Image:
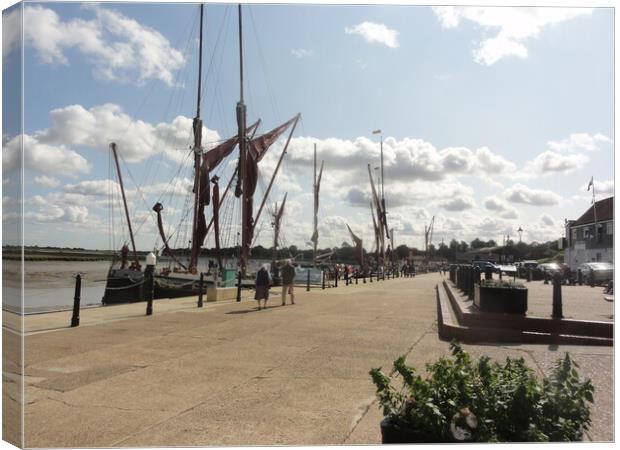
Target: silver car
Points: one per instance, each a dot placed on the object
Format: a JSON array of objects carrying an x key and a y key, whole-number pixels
[{"x": 599, "y": 272}]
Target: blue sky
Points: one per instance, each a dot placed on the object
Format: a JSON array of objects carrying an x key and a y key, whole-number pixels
[{"x": 492, "y": 118}]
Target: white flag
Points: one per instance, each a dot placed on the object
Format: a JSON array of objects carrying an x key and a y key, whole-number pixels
[{"x": 591, "y": 183}]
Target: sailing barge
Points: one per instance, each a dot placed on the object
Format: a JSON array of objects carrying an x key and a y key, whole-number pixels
[{"x": 183, "y": 279}]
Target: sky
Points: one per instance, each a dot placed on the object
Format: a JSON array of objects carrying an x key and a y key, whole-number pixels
[{"x": 492, "y": 118}]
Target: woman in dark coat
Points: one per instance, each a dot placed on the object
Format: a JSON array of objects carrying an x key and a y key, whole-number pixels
[{"x": 263, "y": 282}]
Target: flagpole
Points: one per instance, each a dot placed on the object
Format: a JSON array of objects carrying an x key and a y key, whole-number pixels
[{"x": 594, "y": 210}]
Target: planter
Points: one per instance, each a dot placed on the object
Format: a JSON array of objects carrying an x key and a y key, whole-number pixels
[
  {"x": 392, "y": 433},
  {"x": 501, "y": 299}
]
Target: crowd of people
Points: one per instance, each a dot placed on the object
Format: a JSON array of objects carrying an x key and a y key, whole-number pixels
[{"x": 269, "y": 276}]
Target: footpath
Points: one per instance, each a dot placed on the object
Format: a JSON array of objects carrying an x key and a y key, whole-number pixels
[{"x": 227, "y": 374}]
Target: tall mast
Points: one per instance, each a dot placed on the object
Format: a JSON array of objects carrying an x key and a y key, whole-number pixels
[
  {"x": 241, "y": 120},
  {"x": 197, "y": 126},
  {"x": 315, "y": 241},
  {"x": 120, "y": 181}
]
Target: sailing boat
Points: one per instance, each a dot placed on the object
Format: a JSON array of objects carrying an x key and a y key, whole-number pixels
[
  {"x": 124, "y": 282},
  {"x": 183, "y": 280}
]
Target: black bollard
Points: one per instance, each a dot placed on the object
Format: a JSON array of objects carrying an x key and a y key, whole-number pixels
[
  {"x": 579, "y": 277},
  {"x": 557, "y": 296},
  {"x": 364, "y": 278},
  {"x": 476, "y": 275},
  {"x": 488, "y": 274},
  {"x": 239, "y": 286},
  {"x": 336, "y": 280},
  {"x": 308, "y": 282},
  {"x": 323, "y": 281},
  {"x": 357, "y": 275},
  {"x": 470, "y": 283},
  {"x": 591, "y": 278},
  {"x": 529, "y": 275},
  {"x": 75, "y": 318},
  {"x": 200, "y": 287},
  {"x": 371, "y": 276},
  {"x": 546, "y": 277},
  {"x": 500, "y": 275},
  {"x": 148, "y": 280}
]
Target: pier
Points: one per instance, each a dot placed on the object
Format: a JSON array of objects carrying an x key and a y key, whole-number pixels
[{"x": 227, "y": 374}]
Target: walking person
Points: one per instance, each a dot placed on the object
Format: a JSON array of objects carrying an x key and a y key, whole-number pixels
[
  {"x": 263, "y": 283},
  {"x": 288, "y": 279}
]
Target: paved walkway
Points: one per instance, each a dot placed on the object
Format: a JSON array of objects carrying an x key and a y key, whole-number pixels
[{"x": 230, "y": 375}]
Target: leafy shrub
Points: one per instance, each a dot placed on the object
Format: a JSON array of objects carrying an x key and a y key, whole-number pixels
[{"x": 484, "y": 401}]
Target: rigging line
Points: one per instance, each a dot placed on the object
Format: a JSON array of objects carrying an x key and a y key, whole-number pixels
[
  {"x": 270, "y": 89},
  {"x": 223, "y": 29}
]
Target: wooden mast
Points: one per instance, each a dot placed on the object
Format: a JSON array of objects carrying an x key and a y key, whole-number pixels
[
  {"x": 241, "y": 121},
  {"x": 120, "y": 181},
  {"x": 197, "y": 127},
  {"x": 315, "y": 239}
]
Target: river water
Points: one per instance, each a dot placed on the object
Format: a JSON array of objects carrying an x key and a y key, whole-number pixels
[{"x": 50, "y": 285}]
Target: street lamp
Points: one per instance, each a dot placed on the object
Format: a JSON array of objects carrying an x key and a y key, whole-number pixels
[{"x": 520, "y": 231}]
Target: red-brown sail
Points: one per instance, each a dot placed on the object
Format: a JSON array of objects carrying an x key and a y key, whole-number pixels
[{"x": 359, "y": 251}]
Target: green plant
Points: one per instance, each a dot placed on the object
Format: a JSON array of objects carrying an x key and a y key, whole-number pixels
[
  {"x": 505, "y": 284},
  {"x": 484, "y": 401}
]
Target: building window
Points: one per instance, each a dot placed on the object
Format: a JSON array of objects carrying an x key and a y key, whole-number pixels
[
  {"x": 574, "y": 234},
  {"x": 610, "y": 227},
  {"x": 586, "y": 233}
]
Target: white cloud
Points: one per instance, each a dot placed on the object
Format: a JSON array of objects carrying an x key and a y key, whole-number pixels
[
  {"x": 96, "y": 127},
  {"x": 547, "y": 220},
  {"x": 119, "y": 48},
  {"x": 56, "y": 214},
  {"x": 458, "y": 204},
  {"x": 300, "y": 53},
  {"x": 514, "y": 26},
  {"x": 600, "y": 187},
  {"x": 11, "y": 31},
  {"x": 42, "y": 157},
  {"x": 98, "y": 188},
  {"x": 503, "y": 210},
  {"x": 375, "y": 32},
  {"x": 44, "y": 180},
  {"x": 536, "y": 197},
  {"x": 579, "y": 141},
  {"x": 549, "y": 161}
]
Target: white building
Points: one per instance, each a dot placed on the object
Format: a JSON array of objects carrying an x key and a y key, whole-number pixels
[{"x": 591, "y": 237}]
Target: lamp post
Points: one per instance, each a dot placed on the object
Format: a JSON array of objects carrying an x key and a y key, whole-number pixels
[{"x": 520, "y": 231}]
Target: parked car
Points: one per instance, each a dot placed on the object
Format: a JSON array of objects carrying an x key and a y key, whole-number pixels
[
  {"x": 550, "y": 268},
  {"x": 598, "y": 272},
  {"x": 484, "y": 264}
]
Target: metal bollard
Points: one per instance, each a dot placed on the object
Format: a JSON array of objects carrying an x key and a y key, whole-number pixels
[
  {"x": 323, "y": 281},
  {"x": 364, "y": 278},
  {"x": 500, "y": 275},
  {"x": 470, "y": 283},
  {"x": 557, "y": 296},
  {"x": 308, "y": 282},
  {"x": 200, "y": 288},
  {"x": 148, "y": 280},
  {"x": 371, "y": 276},
  {"x": 591, "y": 278},
  {"x": 239, "y": 286},
  {"x": 579, "y": 277},
  {"x": 356, "y": 277},
  {"x": 546, "y": 275},
  {"x": 75, "y": 318},
  {"x": 529, "y": 275},
  {"x": 336, "y": 280}
]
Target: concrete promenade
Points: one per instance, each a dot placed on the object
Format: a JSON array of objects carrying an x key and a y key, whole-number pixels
[{"x": 228, "y": 374}]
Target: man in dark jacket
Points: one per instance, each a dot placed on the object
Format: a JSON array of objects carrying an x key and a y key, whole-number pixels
[{"x": 288, "y": 278}]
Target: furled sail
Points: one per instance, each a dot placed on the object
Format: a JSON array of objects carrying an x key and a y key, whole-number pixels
[
  {"x": 216, "y": 218},
  {"x": 256, "y": 150},
  {"x": 359, "y": 251},
  {"x": 315, "y": 234}
]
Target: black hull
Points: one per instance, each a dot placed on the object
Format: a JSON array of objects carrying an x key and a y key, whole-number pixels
[
  {"x": 123, "y": 286},
  {"x": 171, "y": 287}
]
